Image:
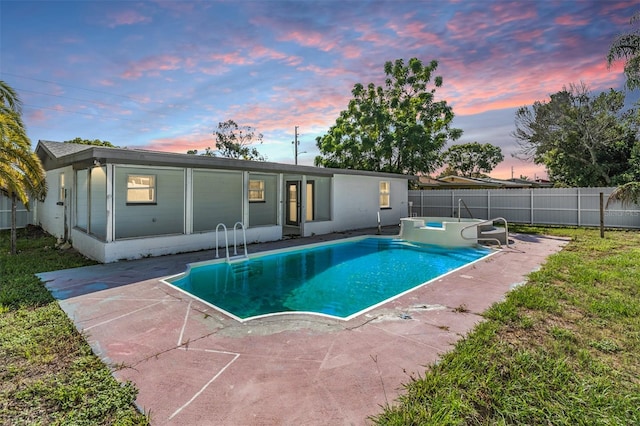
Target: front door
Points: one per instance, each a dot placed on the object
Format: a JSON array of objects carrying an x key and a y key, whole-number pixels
[{"x": 293, "y": 203}]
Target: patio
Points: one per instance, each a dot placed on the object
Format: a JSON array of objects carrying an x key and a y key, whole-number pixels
[{"x": 195, "y": 366}]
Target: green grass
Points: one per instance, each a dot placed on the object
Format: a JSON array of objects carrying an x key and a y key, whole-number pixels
[
  {"x": 564, "y": 349},
  {"x": 48, "y": 374}
]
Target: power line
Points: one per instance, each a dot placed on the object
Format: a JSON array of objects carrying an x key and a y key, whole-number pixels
[
  {"x": 69, "y": 85},
  {"x": 101, "y": 104},
  {"x": 82, "y": 113}
]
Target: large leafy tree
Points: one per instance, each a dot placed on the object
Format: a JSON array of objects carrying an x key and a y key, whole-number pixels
[
  {"x": 626, "y": 47},
  {"x": 472, "y": 159},
  {"x": 233, "y": 141},
  {"x": 400, "y": 127},
  {"x": 582, "y": 139},
  {"x": 21, "y": 173}
]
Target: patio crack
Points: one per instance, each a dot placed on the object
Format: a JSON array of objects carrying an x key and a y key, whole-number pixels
[{"x": 183, "y": 345}]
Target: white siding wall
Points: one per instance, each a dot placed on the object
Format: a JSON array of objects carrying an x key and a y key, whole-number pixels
[
  {"x": 356, "y": 204},
  {"x": 50, "y": 214}
]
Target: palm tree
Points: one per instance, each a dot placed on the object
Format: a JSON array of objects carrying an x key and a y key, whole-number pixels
[
  {"x": 627, "y": 47},
  {"x": 21, "y": 173},
  {"x": 627, "y": 194}
]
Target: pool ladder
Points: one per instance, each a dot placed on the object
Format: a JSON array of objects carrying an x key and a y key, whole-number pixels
[{"x": 236, "y": 256}]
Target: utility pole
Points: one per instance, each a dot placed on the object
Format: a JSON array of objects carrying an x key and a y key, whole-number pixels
[{"x": 295, "y": 144}]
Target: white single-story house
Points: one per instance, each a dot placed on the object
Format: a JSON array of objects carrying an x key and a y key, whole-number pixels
[{"x": 118, "y": 203}]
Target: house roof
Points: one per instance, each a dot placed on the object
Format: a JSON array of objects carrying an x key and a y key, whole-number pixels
[{"x": 54, "y": 155}]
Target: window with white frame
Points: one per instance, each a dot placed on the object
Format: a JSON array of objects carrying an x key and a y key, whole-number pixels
[
  {"x": 256, "y": 191},
  {"x": 385, "y": 192},
  {"x": 141, "y": 189}
]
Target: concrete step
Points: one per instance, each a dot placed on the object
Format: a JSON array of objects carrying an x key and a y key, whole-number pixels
[{"x": 495, "y": 232}]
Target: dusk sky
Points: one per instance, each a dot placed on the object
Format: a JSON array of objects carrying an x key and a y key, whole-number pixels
[{"x": 161, "y": 75}]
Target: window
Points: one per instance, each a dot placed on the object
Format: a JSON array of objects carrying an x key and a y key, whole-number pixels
[
  {"x": 310, "y": 203},
  {"x": 256, "y": 191},
  {"x": 385, "y": 189},
  {"x": 61, "y": 196},
  {"x": 141, "y": 189}
]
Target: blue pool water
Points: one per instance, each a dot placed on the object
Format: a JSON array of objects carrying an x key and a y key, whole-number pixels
[{"x": 339, "y": 279}]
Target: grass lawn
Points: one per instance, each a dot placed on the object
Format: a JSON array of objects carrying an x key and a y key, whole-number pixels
[
  {"x": 564, "y": 349},
  {"x": 48, "y": 374}
]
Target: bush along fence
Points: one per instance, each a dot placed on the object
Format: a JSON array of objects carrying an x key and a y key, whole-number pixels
[{"x": 535, "y": 206}]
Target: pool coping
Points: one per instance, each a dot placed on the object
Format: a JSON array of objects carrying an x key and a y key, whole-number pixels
[{"x": 193, "y": 365}]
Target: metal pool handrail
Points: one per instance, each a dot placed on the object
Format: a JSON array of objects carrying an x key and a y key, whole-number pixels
[
  {"x": 226, "y": 240},
  {"x": 461, "y": 201},
  {"x": 488, "y": 222},
  {"x": 244, "y": 239}
]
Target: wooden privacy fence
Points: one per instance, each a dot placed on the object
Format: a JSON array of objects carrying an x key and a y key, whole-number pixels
[
  {"x": 536, "y": 206},
  {"x": 23, "y": 216}
]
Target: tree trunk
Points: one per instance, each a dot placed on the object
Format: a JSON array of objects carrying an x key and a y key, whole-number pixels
[{"x": 14, "y": 236}]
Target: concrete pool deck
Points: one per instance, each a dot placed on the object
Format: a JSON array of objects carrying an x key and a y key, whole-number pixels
[{"x": 195, "y": 366}]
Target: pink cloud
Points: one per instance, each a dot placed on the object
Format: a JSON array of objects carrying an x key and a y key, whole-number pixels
[
  {"x": 233, "y": 58},
  {"x": 333, "y": 72},
  {"x": 526, "y": 36},
  {"x": 37, "y": 116},
  {"x": 467, "y": 27},
  {"x": 416, "y": 30},
  {"x": 481, "y": 25},
  {"x": 127, "y": 17},
  {"x": 570, "y": 20},
  {"x": 151, "y": 66},
  {"x": 503, "y": 13},
  {"x": 71, "y": 40},
  {"x": 310, "y": 39},
  {"x": 371, "y": 35},
  {"x": 263, "y": 52},
  {"x": 215, "y": 69},
  {"x": 180, "y": 144},
  {"x": 520, "y": 168}
]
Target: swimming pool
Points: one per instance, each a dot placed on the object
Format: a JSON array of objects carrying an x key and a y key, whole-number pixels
[{"x": 340, "y": 280}]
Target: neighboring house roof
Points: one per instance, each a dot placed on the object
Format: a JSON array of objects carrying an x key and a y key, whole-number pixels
[
  {"x": 54, "y": 155},
  {"x": 461, "y": 182},
  {"x": 536, "y": 183}
]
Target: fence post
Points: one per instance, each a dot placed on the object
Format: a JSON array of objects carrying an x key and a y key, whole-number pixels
[
  {"x": 531, "y": 205},
  {"x": 601, "y": 215},
  {"x": 453, "y": 204},
  {"x": 579, "y": 208}
]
